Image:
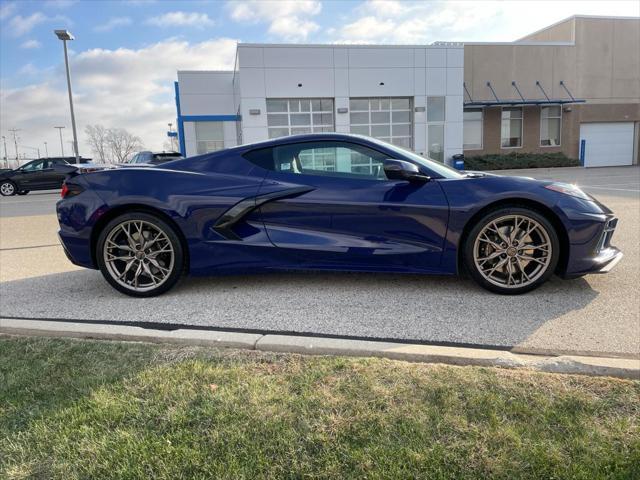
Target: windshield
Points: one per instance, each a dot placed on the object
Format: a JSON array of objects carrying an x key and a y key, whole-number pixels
[{"x": 437, "y": 167}]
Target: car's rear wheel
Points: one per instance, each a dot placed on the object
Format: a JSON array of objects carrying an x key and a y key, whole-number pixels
[
  {"x": 512, "y": 250},
  {"x": 7, "y": 188},
  {"x": 140, "y": 254}
]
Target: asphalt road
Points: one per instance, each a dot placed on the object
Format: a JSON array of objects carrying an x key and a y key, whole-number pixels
[
  {"x": 34, "y": 203},
  {"x": 598, "y": 314}
]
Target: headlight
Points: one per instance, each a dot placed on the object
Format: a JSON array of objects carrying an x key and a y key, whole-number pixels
[{"x": 568, "y": 189}]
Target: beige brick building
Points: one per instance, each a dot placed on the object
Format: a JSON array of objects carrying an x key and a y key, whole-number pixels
[{"x": 573, "y": 87}]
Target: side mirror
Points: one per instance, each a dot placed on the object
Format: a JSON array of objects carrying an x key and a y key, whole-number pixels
[{"x": 402, "y": 170}]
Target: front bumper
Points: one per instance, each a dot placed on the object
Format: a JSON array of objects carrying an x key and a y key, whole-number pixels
[{"x": 596, "y": 256}]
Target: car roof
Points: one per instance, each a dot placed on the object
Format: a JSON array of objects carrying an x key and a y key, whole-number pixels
[{"x": 307, "y": 137}]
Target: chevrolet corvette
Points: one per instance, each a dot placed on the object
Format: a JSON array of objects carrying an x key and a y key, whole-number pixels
[{"x": 332, "y": 202}]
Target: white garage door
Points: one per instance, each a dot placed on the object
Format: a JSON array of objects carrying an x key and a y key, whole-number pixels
[{"x": 606, "y": 144}]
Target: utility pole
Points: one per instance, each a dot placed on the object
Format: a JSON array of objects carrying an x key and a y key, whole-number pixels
[
  {"x": 15, "y": 139},
  {"x": 65, "y": 36},
  {"x": 61, "y": 143},
  {"x": 6, "y": 159},
  {"x": 46, "y": 149}
]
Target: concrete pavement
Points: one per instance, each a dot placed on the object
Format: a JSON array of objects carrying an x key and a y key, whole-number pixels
[{"x": 593, "y": 315}]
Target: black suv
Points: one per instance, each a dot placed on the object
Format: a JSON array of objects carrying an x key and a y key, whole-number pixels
[
  {"x": 152, "y": 158},
  {"x": 35, "y": 175}
]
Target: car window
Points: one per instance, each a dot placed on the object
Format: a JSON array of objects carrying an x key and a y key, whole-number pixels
[
  {"x": 33, "y": 166},
  {"x": 333, "y": 159}
]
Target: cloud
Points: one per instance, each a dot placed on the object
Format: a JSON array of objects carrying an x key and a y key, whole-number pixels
[
  {"x": 113, "y": 22},
  {"x": 181, "y": 19},
  {"x": 128, "y": 88},
  {"x": 287, "y": 19},
  {"x": 31, "y": 44},
  {"x": 6, "y": 10},
  {"x": 410, "y": 22},
  {"x": 20, "y": 25}
]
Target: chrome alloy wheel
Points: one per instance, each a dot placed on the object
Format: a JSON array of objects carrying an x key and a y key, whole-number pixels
[
  {"x": 138, "y": 255},
  {"x": 512, "y": 251},
  {"x": 7, "y": 189}
]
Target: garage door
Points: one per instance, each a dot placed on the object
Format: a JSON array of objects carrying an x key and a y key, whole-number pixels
[{"x": 606, "y": 144}]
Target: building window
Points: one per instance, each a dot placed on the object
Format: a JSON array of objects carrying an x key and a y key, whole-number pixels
[
  {"x": 435, "y": 128},
  {"x": 511, "y": 131},
  {"x": 472, "y": 129},
  {"x": 294, "y": 116},
  {"x": 388, "y": 119},
  {"x": 550, "y": 126},
  {"x": 209, "y": 137}
]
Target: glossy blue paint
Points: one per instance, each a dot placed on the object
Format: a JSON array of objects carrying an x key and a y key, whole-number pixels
[{"x": 329, "y": 223}]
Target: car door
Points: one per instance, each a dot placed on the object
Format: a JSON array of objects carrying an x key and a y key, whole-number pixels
[
  {"x": 30, "y": 176},
  {"x": 351, "y": 215}
]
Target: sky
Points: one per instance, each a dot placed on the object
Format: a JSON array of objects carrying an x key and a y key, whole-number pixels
[{"x": 126, "y": 53}]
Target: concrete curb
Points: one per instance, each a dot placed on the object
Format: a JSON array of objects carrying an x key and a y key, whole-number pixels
[{"x": 597, "y": 366}]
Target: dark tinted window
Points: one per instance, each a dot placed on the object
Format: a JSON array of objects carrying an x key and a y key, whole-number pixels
[{"x": 262, "y": 157}]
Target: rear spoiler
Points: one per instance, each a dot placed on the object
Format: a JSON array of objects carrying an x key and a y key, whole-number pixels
[{"x": 71, "y": 170}]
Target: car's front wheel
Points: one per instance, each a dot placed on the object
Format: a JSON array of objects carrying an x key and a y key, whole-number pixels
[
  {"x": 512, "y": 250},
  {"x": 140, "y": 254},
  {"x": 7, "y": 188}
]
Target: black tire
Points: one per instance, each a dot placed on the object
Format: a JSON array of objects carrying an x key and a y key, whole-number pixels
[
  {"x": 541, "y": 277},
  {"x": 175, "y": 271},
  {"x": 8, "y": 188}
]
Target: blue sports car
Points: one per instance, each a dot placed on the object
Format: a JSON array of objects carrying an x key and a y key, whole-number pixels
[{"x": 327, "y": 202}]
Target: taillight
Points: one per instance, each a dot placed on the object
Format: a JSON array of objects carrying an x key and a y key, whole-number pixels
[{"x": 69, "y": 190}]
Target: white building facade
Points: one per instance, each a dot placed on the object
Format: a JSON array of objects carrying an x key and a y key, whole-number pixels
[{"x": 411, "y": 96}]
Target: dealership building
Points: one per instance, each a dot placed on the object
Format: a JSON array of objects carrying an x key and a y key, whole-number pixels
[{"x": 573, "y": 87}]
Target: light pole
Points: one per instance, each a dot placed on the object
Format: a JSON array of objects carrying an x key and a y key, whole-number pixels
[
  {"x": 6, "y": 159},
  {"x": 65, "y": 35},
  {"x": 46, "y": 150},
  {"x": 15, "y": 139},
  {"x": 61, "y": 143}
]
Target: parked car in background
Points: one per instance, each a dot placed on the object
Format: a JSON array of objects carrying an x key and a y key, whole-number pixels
[
  {"x": 35, "y": 175},
  {"x": 152, "y": 158}
]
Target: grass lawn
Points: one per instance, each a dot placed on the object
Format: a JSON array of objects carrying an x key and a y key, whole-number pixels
[{"x": 91, "y": 409}]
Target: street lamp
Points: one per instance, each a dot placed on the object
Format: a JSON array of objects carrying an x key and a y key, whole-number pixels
[
  {"x": 61, "y": 143},
  {"x": 46, "y": 150},
  {"x": 66, "y": 35}
]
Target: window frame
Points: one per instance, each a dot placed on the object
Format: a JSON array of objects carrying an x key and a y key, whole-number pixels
[
  {"x": 436, "y": 123},
  {"x": 198, "y": 141},
  {"x": 311, "y": 113},
  {"x": 559, "y": 129},
  {"x": 521, "y": 128},
  {"x": 481, "y": 110},
  {"x": 390, "y": 110}
]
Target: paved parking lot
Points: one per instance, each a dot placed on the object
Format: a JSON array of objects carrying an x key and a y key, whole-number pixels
[{"x": 595, "y": 314}]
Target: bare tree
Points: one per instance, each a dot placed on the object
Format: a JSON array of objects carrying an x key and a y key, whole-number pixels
[
  {"x": 122, "y": 143},
  {"x": 98, "y": 139}
]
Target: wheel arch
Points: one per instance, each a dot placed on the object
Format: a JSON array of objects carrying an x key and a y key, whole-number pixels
[
  {"x": 538, "y": 207},
  {"x": 129, "y": 208}
]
